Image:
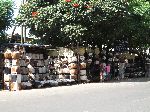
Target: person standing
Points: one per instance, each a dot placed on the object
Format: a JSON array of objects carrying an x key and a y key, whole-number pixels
[
  {"x": 147, "y": 67},
  {"x": 121, "y": 68},
  {"x": 102, "y": 71}
]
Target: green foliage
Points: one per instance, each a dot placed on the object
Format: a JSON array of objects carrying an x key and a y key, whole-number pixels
[
  {"x": 6, "y": 13},
  {"x": 139, "y": 22},
  {"x": 94, "y": 21}
]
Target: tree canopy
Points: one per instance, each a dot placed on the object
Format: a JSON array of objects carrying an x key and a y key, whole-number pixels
[
  {"x": 6, "y": 14},
  {"x": 96, "y": 22},
  {"x": 139, "y": 22}
]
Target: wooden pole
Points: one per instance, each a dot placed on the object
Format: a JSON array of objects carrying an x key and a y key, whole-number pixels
[
  {"x": 21, "y": 34},
  {"x": 23, "y": 29},
  {"x": 78, "y": 61}
]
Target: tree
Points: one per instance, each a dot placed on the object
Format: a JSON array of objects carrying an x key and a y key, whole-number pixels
[
  {"x": 96, "y": 22},
  {"x": 6, "y": 14},
  {"x": 69, "y": 20},
  {"x": 139, "y": 23}
]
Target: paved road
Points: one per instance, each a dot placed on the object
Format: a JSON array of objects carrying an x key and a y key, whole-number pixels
[{"x": 94, "y": 97}]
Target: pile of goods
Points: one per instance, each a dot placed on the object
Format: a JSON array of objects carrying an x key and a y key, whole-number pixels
[{"x": 1, "y": 69}]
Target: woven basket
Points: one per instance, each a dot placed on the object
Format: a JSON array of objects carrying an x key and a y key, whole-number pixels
[
  {"x": 82, "y": 65},
  {"x": 74, "y": 77},
  {"x": 73, "y": 71},
  {"x": 15, "y": 69},
  {"x": 74, "y": 59},
  {"x": 72, "y": 65},
  {"x": 7, "y": 55},
  {"x": 15, "y": 55}
]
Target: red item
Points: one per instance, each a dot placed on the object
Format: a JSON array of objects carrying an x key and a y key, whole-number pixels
[
  {"x": 68, "y": 0},
  {"x": 34, "y": 14},
  {"x": 87, "y": 6},
  {"x": 101, "y": 75},
  {"x": 108, "y": 69},
  {"x": 76, "y": 5}
]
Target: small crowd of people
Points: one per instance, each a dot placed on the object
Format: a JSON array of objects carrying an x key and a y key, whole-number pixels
[{"x": 106, "y": 72}]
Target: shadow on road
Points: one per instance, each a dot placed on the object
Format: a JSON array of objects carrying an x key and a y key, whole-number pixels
[{"x": 141, "y": 79}]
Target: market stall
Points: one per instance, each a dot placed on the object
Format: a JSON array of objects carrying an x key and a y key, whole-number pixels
[
  {"x": 1, "y": 69},
  {"x": 25, "y": 67}
]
